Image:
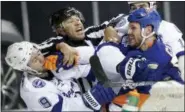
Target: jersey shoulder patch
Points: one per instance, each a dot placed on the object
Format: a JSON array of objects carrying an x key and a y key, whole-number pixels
[{"x": 38, "y": 83}]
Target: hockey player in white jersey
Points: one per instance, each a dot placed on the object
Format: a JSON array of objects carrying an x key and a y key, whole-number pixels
[
  {"x": 171, "y": 35},
  {"x": 43, "y": 92},
  {"x": 123, "y": 64}
]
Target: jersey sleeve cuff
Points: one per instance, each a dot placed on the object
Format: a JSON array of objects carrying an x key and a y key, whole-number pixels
[{"x": 180, "y": 54}]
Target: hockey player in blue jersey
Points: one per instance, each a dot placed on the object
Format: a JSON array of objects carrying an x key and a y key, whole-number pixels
[
  {"x": 144, "y": 58},
  {"x": 171, "y": 35}
]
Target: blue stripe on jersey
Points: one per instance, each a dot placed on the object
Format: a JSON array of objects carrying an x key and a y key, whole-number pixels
[
  {"x": 58, "y": 106},
  {"x": 106, "y": 44},
  {"x": 180, "y": 54}
]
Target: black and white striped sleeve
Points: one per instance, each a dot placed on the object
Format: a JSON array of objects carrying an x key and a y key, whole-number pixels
[
  {"x": 98, "y": 30},
  {"x": 50, "y": 44}
]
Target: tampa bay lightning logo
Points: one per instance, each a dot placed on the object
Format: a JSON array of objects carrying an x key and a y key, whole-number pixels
[{"x": 38, "y": 83}]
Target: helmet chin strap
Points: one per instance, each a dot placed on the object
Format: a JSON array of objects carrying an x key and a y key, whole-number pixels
[
  {"x": 31, "y": 71},
  {"x": 144, "y": 37}
]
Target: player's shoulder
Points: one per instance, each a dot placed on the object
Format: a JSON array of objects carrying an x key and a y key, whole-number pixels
[
  {"x": 168, "y": 28},
  {"x": 167, "y": 23},
  {"x": 164, "y": 51},
  {"x": 158, "y": 53},
  {"x": 35, "y": 84},
  {"x": 169, "y": 31}
]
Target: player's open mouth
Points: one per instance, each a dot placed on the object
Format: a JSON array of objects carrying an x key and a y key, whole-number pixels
[
  {"x": 79, "y": 30},
  {"x": 130, "y": 38}
]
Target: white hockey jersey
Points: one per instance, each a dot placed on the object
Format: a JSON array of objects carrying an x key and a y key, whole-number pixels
[{"x": 55, "y": 95}]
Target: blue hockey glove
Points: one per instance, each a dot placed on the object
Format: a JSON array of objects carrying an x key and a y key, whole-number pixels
[
  {"x": 137, "y": 68},
  {"x": 98, "y": 96}
]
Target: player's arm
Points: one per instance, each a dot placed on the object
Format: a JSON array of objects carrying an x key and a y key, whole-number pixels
[
  {"x": 96, "y": 33},
  {"x": 84, "y": 54},
  {"x": 130, "y": 66},
  {"x": 110, "y": 56},
  {"x": 181, "y": 65},
  {"x": 175, "y": 40},
  {"x": 80, "y": 55},
  {"x": 180, "y": 56},
  {"x": 43, "y": 101},
  {"x": 55, "y": 44},
  {"x": 50, "y": 45},
  {"x": 75, "y": 72}
]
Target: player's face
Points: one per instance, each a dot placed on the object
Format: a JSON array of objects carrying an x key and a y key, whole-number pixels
[
  {"x": 36, "y": 61},
  {"x": 138, "y": 5},
  {"x": 74, "y": 28},
  {"x": 134, "y": 34}
]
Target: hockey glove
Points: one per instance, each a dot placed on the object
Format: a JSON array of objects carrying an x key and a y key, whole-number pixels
[
  {"x": 137, "y": 68},
  {"x": 98, "y": 96}
]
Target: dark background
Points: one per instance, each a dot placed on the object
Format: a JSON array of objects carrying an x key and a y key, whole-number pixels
[{"x": 38, "y": 13}]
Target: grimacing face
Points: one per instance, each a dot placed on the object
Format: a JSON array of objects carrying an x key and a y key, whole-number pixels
[
  {"x": 138, "y": 5},
  {"x": 134, "y": 34},
  {"x": 73, "y": 28},
  {"x": 36, "y": 61}
]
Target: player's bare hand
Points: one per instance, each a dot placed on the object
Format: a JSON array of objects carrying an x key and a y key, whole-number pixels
[
  {"x": 70, "y": 54},
  {"x": 111, "y": 35}
]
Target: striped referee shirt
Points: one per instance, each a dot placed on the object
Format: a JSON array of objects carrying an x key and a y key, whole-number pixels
[{"x": 93, "y": 36}]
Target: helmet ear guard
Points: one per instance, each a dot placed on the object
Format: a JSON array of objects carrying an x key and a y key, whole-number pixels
[{"x": 61, "y": 15}]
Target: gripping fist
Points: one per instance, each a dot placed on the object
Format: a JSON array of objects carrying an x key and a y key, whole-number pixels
[
  {"x": 137, "y": 68},
  {"x": 70, "y": 55},
  {"x": 111, "y": 35},
  {"x": 54, "y": 62},
  {"x": 98, "y": 96}
]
